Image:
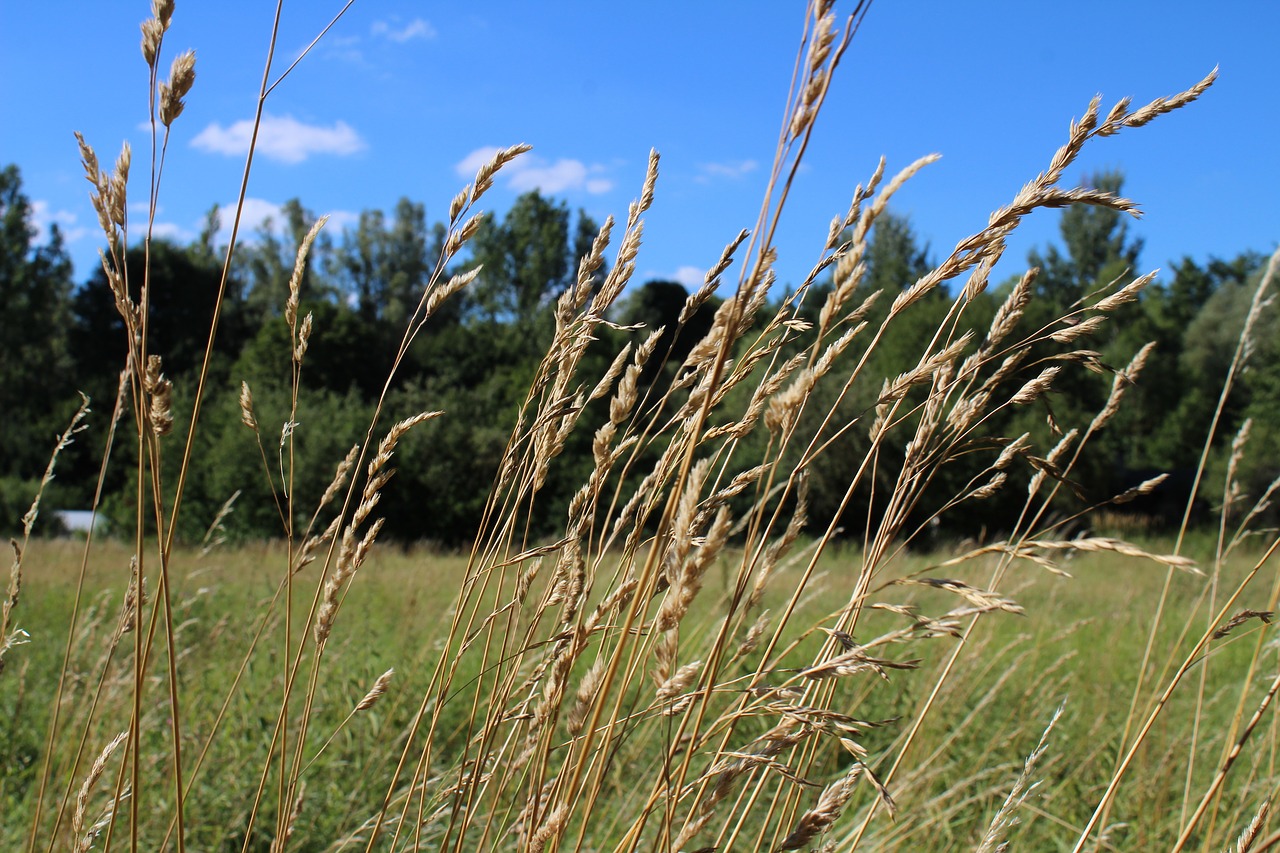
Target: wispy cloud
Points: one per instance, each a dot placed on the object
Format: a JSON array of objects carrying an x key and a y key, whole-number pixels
[
  {"x": 173, "y": 231},
  {"x": 731, "y": 170},
  {"x": 343, "y": 49},
  {"x": 530, "y": 172},
  {"x": 690, "y": 277},
  {"x": 281, "y": 138},
  {"x": 42, "y": 216},
  {"x": 258, "y": 212},
  {"x": 415, "y": 29}
]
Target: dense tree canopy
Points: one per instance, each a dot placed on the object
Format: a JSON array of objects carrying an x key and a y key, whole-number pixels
[{"x": 478, "y": 355}]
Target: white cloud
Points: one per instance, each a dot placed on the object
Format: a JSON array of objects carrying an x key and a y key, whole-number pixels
[
  {"x": 732, "y": 170},
  {"x": 257, "y": 211},
  {"x": 530, "y": 172},
  {"x": 253, "y": 215},
  {"x": 415, "y": 29},
  {"x": 343, "y": 49},
  {"x": 555, "y": 178},
  {"x": 173, "y": 231},
  {"x": 471, "y": 164},
  {"x": 282, "y": 138},
  {"x": 42, "y": 217},
  {"x": 690, "y": 277},
  {"x": 340, "y": 220}
]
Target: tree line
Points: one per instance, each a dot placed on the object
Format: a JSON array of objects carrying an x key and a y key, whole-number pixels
[{"x": 477, "y": 358}]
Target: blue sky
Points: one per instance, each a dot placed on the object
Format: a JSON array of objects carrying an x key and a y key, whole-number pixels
[{"x": 400, "y": 96}]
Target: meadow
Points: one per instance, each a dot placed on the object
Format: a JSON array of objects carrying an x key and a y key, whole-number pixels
[
  {"x": 743, "y": 586},
  {"x": 1075, "y": 651}
]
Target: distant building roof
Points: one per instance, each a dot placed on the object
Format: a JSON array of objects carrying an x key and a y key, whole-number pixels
[{"x": 81, "y": 520}]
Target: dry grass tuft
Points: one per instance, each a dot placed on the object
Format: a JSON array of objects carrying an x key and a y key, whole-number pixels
[{"x": 680, "y": 662}]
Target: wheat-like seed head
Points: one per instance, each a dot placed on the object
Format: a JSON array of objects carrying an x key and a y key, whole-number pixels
[
  {"x": 299, "y": 268},
  {"x": 181, "y": 77},
  {"x": 152, "y": 34},
  {"x": 829, "y": 807},
  {"x": 437, "y": 295},
  {"x": 1035, "y": 388},
  {"x": 246, "y": 407},
  {"x": 376, "y": 691},
  {"x": 95, "y": 773},
  {"x": 484, "y": 176}
]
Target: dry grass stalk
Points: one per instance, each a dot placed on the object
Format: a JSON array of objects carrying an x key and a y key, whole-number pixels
[
  {"x": 281, "y": 841},
  {"x": 299, "y": 270},
  {"x": 82, "y": 799},
  {"x": 9, "y": 635},
  {"x": 1250, "y": 833},
  {"x": 376, "y": 692},
  {"x": 529, "y": 646},
  {"x": 1006, "y": 818},
  {"x": 828, "y": 809}
]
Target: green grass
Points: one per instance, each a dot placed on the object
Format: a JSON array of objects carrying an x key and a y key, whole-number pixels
[
  {"x": 1080, "y": 643},
  {"x": 621, "y": 687}
]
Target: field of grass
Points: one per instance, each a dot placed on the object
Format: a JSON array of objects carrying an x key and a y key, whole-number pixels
[
  {"x": 690, "y": 662},
  {"x": 1078, "y": 647}
]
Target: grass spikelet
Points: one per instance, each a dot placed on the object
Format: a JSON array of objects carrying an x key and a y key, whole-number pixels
[
  {"x": 551, "y": 827},
  {"x": 826, "y": 812},
  {"x": 246, "y": 407},
  {"x": 181, "y": 78},
  {"x": 678, "y": 682},
  {"x": 1122, "y": 381},
  {"x": 1006, "y": 818},
  {"x": 86, "y": 788},
  {"x": 1159, "y": 107},
  {"x": 1036, "y": 388},
  {"x": 152, "y": 33},
  {"x": 1250, "y": 833},
  {"x": 1075, "y": 331},
  {"x": 1241, "y": 618},
  {"x": 585, "y": 696},
  {"x": 437, "y": 295},
  {"x": 339, "y": 477},
  {"x": 484, "y": 176},
  {"x": 299, "y": 269},
  {"x": 711, "y": 280},
  {"x": 376, "y": 692},
  {"x": 1103, "y": 543},
  {"x": 280, "y": 842},
  {"x": 977, "y": 597},
  {"x": 161, "y": 391},
  {"x": 751, "y": 641}
]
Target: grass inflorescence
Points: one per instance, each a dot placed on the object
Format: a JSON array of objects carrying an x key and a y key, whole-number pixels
[{"x": 693, "y": 661}]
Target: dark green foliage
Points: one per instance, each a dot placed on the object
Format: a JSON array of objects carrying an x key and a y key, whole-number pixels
[
  {"x": 37, "y": 385},
  {"x": 476, "y": 358}
]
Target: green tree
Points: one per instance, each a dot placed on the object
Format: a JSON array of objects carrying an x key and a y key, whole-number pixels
[
  {"x": 529, "y": 259},
  {"x": 657, "y": 304},
  {"x": 266, "y": 264},
  {"x": 36, "y": 383},
  {"x": 184, "y": 290},
  {"x": 895, "y": 260},
  {"x": 385, "y": 270},
  {"x": 1098, "y": 249}
]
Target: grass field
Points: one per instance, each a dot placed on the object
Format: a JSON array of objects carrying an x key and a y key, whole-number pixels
[
  {"x": 689, "y": 662},
  {"x": 1078, "y": 647}
]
